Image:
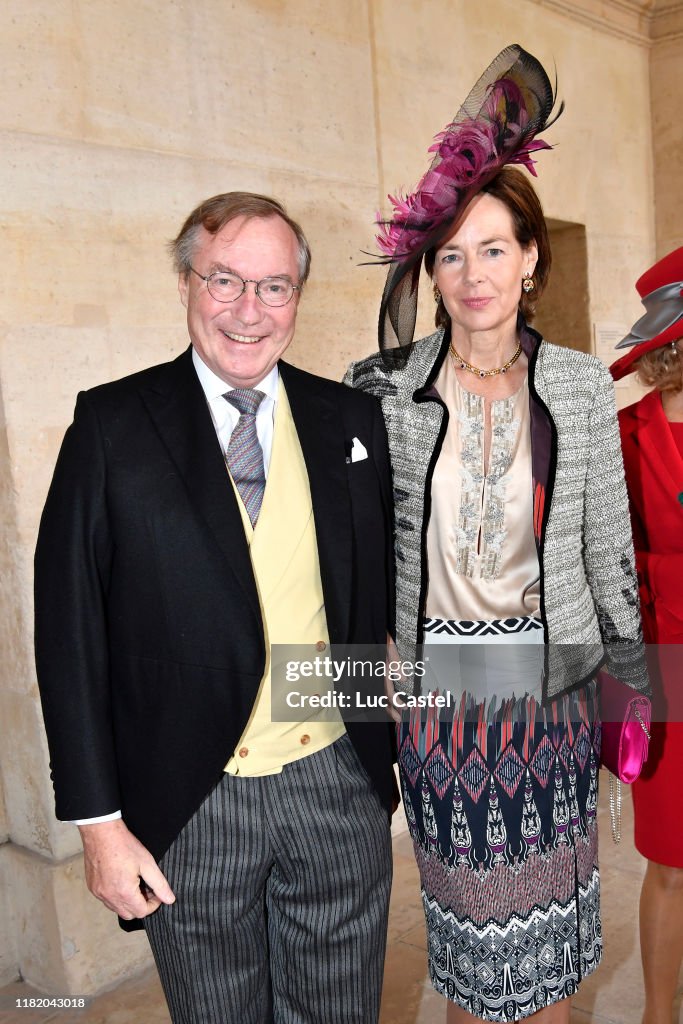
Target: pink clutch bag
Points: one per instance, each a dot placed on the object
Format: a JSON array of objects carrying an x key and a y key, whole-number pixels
[{"x": 626, "y": 716}]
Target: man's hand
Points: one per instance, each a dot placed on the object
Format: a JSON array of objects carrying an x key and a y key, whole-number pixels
[{"x": 121, "y": 872}]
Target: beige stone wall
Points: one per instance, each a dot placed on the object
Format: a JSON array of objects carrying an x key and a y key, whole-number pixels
[
  {"x": 114, "y": 121},
  {"x": 667, "y": 89},
  {"x": 8, "y": 945},
  {"x": 563, "y": 313}
]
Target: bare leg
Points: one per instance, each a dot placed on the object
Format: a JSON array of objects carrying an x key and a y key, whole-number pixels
[
  {"x": 558, "y": 1013},
  {"x": 661, "y": 939}
]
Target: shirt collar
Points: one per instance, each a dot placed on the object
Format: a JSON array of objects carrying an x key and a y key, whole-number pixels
[{"x": 214, "y": 387}]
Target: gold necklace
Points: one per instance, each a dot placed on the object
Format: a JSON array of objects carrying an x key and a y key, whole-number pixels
[{"x": 464, "y": 365}]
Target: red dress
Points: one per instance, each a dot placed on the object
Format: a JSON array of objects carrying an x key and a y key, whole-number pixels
[{"x": 653, "y": 460}]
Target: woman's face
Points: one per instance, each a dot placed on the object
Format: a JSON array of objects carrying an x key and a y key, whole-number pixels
[{"x": 479, "y": 268}]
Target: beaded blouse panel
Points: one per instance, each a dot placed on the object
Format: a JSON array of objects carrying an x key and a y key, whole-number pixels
[
  {"x": 480, "y": 530},
  {"x": 481, "y": 553}
]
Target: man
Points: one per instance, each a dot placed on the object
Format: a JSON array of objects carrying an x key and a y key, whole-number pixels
[{"x": 256, "y": 853}]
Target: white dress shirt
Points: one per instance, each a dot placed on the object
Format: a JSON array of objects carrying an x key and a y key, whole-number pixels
[{"x": 225, "y": 417}]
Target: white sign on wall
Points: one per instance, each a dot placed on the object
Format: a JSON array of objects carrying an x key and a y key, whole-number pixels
[{"x": 606, "y": 335}]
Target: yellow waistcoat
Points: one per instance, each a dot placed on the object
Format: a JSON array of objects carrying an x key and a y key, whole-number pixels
[{"x": 284, "y": 556}]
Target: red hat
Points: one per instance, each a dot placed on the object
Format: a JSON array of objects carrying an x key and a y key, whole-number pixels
[{"x": 661, "y": 291}]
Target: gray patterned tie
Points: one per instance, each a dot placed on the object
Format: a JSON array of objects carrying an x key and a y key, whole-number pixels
[{"x": 245, "y": 455}]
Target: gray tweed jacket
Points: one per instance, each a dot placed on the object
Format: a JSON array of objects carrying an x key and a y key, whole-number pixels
[{"x": 589, "y": 593}]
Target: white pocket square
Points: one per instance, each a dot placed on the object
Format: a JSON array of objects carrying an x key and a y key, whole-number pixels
[{"x": 358, "y": 451}]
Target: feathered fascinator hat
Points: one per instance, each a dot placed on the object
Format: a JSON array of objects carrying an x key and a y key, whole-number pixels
[
  {"x": 661, "y": 291},
  {"x": 498, "y": 124}
]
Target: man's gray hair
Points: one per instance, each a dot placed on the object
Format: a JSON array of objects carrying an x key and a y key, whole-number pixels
[{"x": 213, "y": 214}]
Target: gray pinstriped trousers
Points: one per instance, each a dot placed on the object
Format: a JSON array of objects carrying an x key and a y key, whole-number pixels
[{"x": 282, "y": 891}]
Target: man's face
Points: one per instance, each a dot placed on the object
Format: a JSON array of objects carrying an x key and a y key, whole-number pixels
[{"x": 242, "y": 340}]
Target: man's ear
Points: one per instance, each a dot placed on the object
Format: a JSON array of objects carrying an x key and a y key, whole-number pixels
[{"x": 183, "y": 288}]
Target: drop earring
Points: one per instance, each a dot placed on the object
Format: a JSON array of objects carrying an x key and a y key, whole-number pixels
[{"x": 527, "y": 282}]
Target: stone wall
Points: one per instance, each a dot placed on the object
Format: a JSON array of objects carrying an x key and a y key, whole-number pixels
[
  {"x": 115, "y": 120},
  {"x": 563, "y": 313},
  {"x": 666, "y": 82}
]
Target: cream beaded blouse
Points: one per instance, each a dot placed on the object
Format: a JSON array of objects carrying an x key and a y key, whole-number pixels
[{"x": 481, "y": 551}]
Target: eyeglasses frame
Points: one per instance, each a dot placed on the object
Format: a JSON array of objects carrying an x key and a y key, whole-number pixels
[{"x": 245, "y": 281}]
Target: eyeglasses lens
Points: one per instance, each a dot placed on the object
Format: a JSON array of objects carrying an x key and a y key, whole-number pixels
[{"x": 274, "y": 291}]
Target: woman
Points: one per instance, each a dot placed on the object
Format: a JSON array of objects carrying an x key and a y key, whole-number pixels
[
  {"x": 652, "y": 440},
  {"x": 511, "y": 524}
]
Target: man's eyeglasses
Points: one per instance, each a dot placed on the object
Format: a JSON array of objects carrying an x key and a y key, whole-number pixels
[{"x": 225, "y": 287}]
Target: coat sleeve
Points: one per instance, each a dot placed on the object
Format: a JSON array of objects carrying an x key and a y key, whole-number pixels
[
  {"x": 72, "y": 568},
  {"x": 608, "y": 545}
]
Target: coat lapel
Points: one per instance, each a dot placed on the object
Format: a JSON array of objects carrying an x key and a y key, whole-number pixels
[
  {"x": 321, "y": 435},
  {"x": 655, "y": 441},
  {"x": 543, "y": 436},
  {"x": 177, "y": 405}
]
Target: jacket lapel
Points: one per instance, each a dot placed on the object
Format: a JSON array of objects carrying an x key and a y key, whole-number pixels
[
  {"x": 321, "y": 435},
  {"x": 177, "y": 405},
  {"x": 655, "y": 441},
  {"x": 543, "y": 437}
]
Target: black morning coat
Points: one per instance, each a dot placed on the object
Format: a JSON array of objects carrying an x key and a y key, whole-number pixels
[{"x": 149, "y": 639}]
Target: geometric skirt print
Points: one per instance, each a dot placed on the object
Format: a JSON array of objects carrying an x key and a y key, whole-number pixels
[{"x": 501, "y": 805}]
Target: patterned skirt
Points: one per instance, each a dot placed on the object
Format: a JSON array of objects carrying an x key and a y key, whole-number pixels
[{"x": 500, "y": 799}]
